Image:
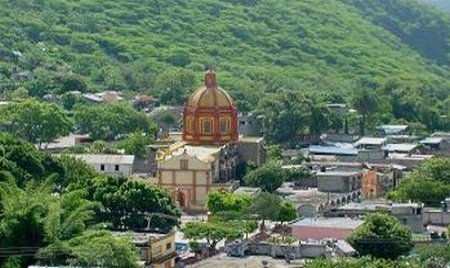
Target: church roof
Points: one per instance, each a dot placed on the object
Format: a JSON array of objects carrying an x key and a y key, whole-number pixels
[
  {"x": 210, "y": 96},
  {"x": 206, "y": 154}
]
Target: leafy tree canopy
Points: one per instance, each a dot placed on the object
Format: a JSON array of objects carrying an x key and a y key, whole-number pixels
[{"x": 382, "y": 236}]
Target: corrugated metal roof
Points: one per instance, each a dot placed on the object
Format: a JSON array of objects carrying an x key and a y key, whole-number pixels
[
  {"x": 331, "y": 150},
  {"x": 370, "y": 141},
  {"x": 432, "y": 140},
  {"x": 400, "y": 147}
]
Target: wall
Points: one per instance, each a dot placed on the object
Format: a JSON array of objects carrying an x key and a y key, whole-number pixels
[
  {"x": 336, "y": 184},
  {"x": 436, "y": 217},
  {"x": 252, "y": 151},
  {"x": 369, "y": 184},
  {"x": 124, "y": 170},
  {"x": 304, "y": 250}
]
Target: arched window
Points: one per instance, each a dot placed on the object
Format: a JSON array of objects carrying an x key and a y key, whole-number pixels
[
  {"x": 224, "y": 126},
  {"x": 206, "y": 126}
]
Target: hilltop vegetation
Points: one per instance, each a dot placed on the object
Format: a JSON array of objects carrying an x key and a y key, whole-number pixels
[
  {"x": 258, "y": 47},
  {"x": 426, "y": 32},
  {"x": 441, "y": 4}
]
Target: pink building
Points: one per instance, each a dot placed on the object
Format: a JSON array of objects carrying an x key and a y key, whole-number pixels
[{"x": 320, "y": 228}]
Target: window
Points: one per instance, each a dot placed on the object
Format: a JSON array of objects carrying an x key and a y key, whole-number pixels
[
  {"x": 207, "y": 128},
  {"x": 116, "y": 167},
  {"x": 224, "y": 126},
  {"x": 102, "y": 167},
  {"x": 168, "y": 246},
  {"x": 184, "y": 164}
]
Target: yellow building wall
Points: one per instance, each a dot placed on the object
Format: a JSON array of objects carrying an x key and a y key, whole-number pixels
[{"x": 163, "y": 247}]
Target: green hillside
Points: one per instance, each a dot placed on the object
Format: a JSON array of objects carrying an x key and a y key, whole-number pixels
[
  {"x": 427, "y": 31},
  {"x": 443, "y": 5},
  {"x": 257, "y": 46}
]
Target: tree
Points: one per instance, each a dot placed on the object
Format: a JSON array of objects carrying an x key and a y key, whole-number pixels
[
  {"x": 94, "y": 248},
  {"x": 274, "y": 153},
  {"x": 24, "y": 163},
  {"x": 108, "y": 122},
  {"x": 429, "y": 183},
  {"x": 268, "y": 177},
  {"x": 319, "y": 121},
  {"x": 223, "y": 201},
  {"x": 35, "y": 121},
  {"x": 434, "y": 169},
  {"x": 366, "y": 103},
  {"x": 136, "y": 143},
  {"x": 382, "y": 236},
  {"x": 215, "y": 231},
  {"x": 427, "y": 191},
  {"x": 266, "y": 206},
  {"x": 364, "y": 262},
  {"x": 127, "y": 204},
  {"x": 287, "y": 212},
  {"x": 284, "y": 116},
  {"x": 69, "y": 100}
]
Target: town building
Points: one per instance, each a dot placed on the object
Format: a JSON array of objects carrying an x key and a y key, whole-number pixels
[
  {"x": 210, "y": 151},
  {"x": 338, "y": 181},
  {"x": 250, "y": 124},
  {"x": 436, "y": 143},
  {"x": 115, "y": 165},
  {"x": 156, "y": 250},
  {"x": 369, "y": 143}
]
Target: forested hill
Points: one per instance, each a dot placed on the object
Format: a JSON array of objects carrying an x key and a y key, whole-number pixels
[
  {"x": 427, "y": 31},
  {"x": 257, "y": 46},
  {"x": 441, "y": 4}
]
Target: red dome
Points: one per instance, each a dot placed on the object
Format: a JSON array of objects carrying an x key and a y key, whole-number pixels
[{"x": 210, "y": 115}]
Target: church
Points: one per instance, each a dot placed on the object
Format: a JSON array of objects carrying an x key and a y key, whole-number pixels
[{"x": 211, "y": 149}]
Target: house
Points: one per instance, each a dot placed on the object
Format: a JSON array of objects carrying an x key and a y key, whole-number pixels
[
  {"x": 338, "y": 181},
  {"x": 370, "y": 143},
  {"x": 156, "y": 250},
  {"x": 436, "y": 143},
  {"x": 322, "y": 228},
  {"x": 409, "y": 214},
  {"x": 116, "y": 165},
  {"x": 62, "y": 143}
]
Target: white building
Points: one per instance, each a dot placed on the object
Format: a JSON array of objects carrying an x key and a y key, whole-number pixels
[{"x": 116, "y": 165}]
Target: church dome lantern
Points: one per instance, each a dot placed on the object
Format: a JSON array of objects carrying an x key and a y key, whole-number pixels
[{"x": 210, "y": 115}]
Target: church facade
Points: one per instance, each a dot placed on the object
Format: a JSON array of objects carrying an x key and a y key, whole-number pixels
[{"x": 209, "y": 155}]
